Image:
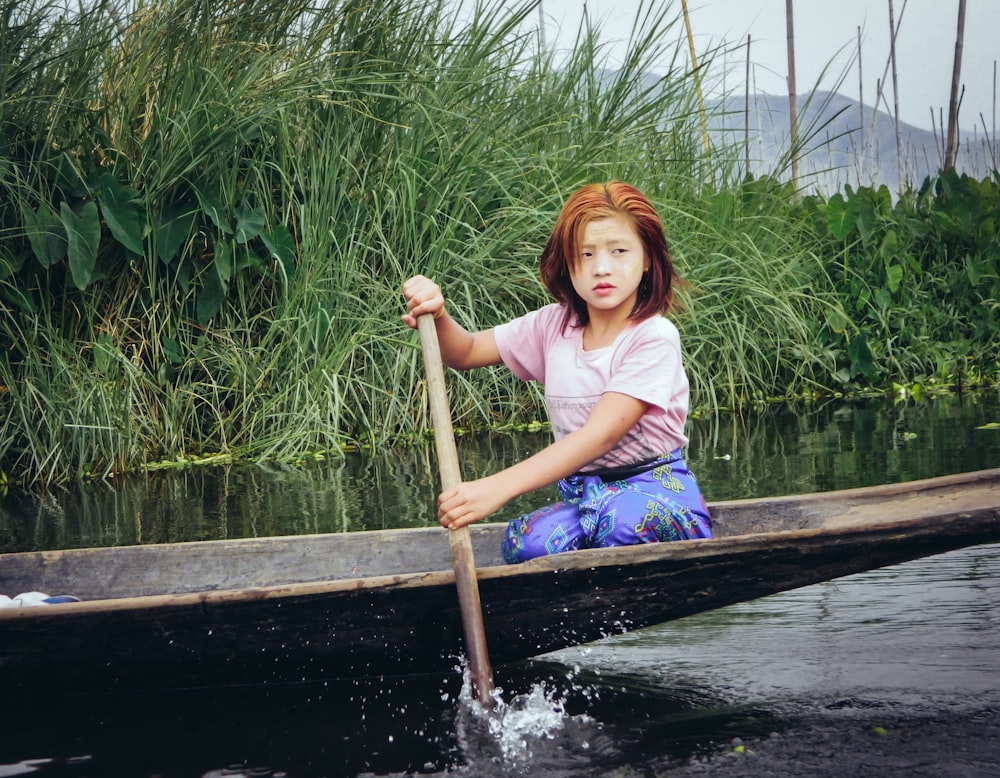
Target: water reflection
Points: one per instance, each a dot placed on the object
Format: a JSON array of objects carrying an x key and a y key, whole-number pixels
[
  {"x": 837, "y": 445},
  {"x": 781, "y": 450}
]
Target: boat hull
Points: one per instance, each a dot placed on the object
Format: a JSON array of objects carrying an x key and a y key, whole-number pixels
[{"x": 401, "y": 623}]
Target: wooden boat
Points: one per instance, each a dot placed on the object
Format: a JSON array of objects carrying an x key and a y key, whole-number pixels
[{"x": 369, "y": 604}]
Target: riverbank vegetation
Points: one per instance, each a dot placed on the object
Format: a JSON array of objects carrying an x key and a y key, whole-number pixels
[{"x": 208, "y": 208}]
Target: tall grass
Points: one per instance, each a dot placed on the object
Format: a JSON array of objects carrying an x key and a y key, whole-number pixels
[{"x": 267, "y": 174}]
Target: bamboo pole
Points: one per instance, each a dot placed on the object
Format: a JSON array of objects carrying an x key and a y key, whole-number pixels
[
  {"x": 541, "y": 26},
  {"x": 991, "y": 143},
  {"x": 951, "y": 149},
  {"x": 861, "y": 96},
  {"x": 746, "y": 110},
  {"x": 697, "y": 75},
  {"x": 459, "y": 540},
  {"x": 880, "y": 83},
  {"x": 900, "y": 167},
  {"x": 793, "y": 119}
]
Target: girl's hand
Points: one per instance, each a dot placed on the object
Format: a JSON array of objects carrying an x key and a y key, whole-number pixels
[
  {"x": 422, "y": 296},
  {"x": 470, "y": 501}
]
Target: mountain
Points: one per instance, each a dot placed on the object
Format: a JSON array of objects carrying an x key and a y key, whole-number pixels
[{"x": 843, "y": 141}]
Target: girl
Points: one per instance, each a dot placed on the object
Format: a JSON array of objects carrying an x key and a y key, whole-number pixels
[{"x": 615, "y": 386}]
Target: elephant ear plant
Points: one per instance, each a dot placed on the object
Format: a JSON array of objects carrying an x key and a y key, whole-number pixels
[{"x": 919, "y": 274}]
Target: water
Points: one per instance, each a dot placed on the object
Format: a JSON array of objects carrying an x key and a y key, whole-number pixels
[
  {"x": 890, "y": 672},
  {"x": 783, "y": 450}
]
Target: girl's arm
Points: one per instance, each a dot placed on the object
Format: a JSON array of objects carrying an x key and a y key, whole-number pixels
[
  {"x": 460, "y": 348},
  {"x": 613, "y": 416}
]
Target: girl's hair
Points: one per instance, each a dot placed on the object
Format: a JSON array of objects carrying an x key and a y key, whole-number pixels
[{"x": 561, "y": 253}]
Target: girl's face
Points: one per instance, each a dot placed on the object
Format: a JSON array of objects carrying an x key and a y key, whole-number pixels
[{"x": 607, "y": 272}]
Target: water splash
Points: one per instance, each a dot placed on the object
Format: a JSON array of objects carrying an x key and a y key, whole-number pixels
[{"x": 533, "y": 727}]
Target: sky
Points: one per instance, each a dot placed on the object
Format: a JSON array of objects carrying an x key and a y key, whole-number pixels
[{"x": 826, "y": 36}]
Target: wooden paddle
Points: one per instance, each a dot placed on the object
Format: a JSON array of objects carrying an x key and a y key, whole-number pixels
[{"x": 459, "y": 539}]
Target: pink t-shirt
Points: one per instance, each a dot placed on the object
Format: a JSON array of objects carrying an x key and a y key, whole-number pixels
[{"x": 644, "y": 362}]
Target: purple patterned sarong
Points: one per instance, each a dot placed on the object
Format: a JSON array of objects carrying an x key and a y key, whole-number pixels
[{"x": 655, "y": 502}]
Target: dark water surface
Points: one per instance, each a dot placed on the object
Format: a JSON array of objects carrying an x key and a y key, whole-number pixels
[
  {"x": 890, "y": 672},
  {"x": 783, "y": 450}
]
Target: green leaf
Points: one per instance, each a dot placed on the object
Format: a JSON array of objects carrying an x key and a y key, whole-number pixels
[
  {"x": 123, "y": 212},
  {"x": 244, "y": 258},
  {"x": 183, "y": 275},
  {"x": 13, "y": 256},
  {"x": 174, "y": 226},
  {"x": 867, "y": 219},
  {"x": 10, "y": 263},
  {"x": 862, "y": 362},
  {"x": 224, "y": 261},
  {"x": 104, "y": 350},
  {"x": 172, "y": 350},
  {"x": 841, "y": 215},
  {"x": 894, "y": 276},
  {"x": 281, "y": 247},
  {"x": 16, "y": 297},
  {"x": 322, "y": 324},
  {"x": 890, "y": 245},
  {"x": 83, "y": 234},
  {"x": 836, "y": 320},
  {"x": 889, "y": 250},
  {"x": 975, "y": 269},
  {"x": 46, "y": 234},
  {"x": 249, "y": 224},
  {"x": 213, "y": 207},
  {"x": 211, "y": 298}
]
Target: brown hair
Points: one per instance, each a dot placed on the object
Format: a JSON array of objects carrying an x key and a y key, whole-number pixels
[{"x": 561, "y": 253}]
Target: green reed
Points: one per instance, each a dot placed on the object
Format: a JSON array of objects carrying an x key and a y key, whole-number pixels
[{"x": 208, "y": 210}]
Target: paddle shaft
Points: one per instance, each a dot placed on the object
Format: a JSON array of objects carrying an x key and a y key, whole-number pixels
[{"x": 459, "y": 539}]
